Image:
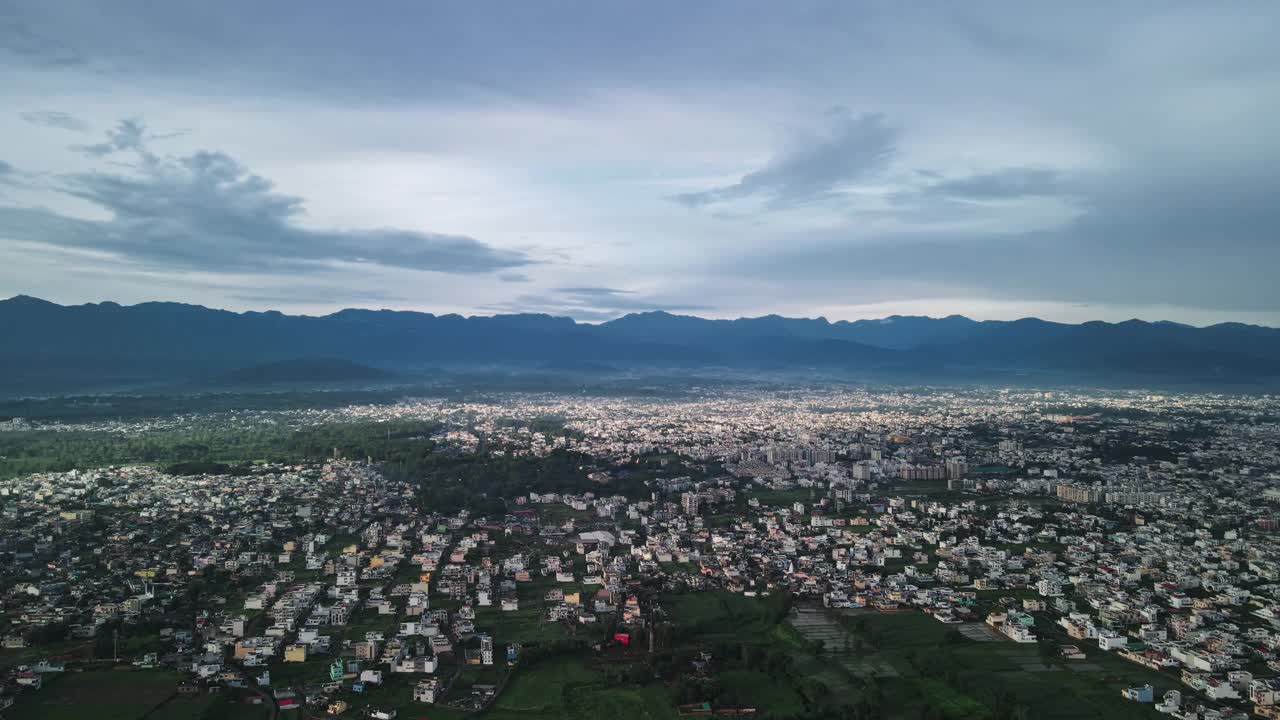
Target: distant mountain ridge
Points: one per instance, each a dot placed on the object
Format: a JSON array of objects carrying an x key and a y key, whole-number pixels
[{"x": 47, "y": 344}]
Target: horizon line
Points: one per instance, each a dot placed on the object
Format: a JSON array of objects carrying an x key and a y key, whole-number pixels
[{"x": 634, "y": 313}]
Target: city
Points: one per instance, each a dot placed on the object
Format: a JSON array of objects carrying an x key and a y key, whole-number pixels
[{"x": 1124, "y": 540}]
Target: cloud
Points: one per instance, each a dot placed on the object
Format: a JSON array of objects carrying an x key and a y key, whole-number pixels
[
  {"x": 851, "y": 148},
  {"x": 1008, "y": 183},
  {"x": 1005, "y": 201},
  {"x": 128, "y": 135},
  {"x": 22, "y": 42},
  {"x": 206, "y": 211},
  {"x": 302, "y": 294},
  {"x": 988, "y": 171},
  {"x": 55, "y": 119},
  {"x": 595, "y": 293},
  {"x": 12, "y": 176},
  {"x": 590, "y": 303},
  {"x": 1140, "y": 238},
  {"x": 619, "y": 300}
]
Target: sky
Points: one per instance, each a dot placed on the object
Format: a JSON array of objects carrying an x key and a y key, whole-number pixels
[{"x": 1070, "y": 161}]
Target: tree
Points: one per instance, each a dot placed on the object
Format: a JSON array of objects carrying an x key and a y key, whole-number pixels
[{"x": 104, "y": 641}]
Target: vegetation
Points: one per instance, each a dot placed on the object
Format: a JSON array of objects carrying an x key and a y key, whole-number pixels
[
  {"x": 943, "y": 675},
  {"x": 45, "y": 451},
  {"x": 124, "y": 695}
]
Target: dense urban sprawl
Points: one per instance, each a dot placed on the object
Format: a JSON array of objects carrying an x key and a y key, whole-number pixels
[{"x": 1125, "y": 526}]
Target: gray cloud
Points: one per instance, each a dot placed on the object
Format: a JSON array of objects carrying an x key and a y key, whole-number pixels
[
  {"x": 996, "y": 201},
  {"x": 999, "y": 185},
  {"x": 595, "y": 293},
  {"x": 128, "y": 135},
  {"x": 1143, "y": 239},
  {"x": 12, "y": 176},
  {"x": 55, "y": 119},
  {"x": 205, "y": 211},
  {"x": 619, "y": 300},
  {"x": 853, "y": 147},
  {"x": 19, "y": 40},
  {"x": 296, "y": 294},
  {"x": 590, "y": 303},
  {"x": 992, "y": 173}
]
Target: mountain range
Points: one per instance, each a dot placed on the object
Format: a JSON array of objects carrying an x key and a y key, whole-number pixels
[{"x": 50, "y": 347}]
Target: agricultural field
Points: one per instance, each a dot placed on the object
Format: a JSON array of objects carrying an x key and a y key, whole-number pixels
[
  {"x": 721, "y": 614},
  {"x": 781, "y": 498},
  {"x": 761, "y": 690},
  {"x": 122, "y": 695},
  {"x": 927, "y": 669},
  {"x": 566, "y": 687}
]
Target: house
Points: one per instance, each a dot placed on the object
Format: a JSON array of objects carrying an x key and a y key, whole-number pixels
[
  {"x": 29, "y": 678},
  {"x": 1264, "y": 692},
  {"x": 426, "y": 664},
  {"x": 295, "y": 653},
  {"x": 1142, "y": 694},
  {"x": 425, "y": 691},
  {"x": 1110, "y": 641},
  {"x": 441, "y": 645},
  {"x": 412, "y": 628},
  {"x": 1216, "y": 689}
]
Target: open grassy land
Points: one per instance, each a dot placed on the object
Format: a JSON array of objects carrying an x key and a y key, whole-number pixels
[
  {"x": 208, "y": 707},
  {"x": 762, "y": 690},
  {"x": 557, "y": 513},
  {"x": 924, "y": 668},
  {"x": 779, "y": 498},
  {"x": 122, "y": 695},
  {"x": 710, "y": 614},
  {"x": 565, "y": 687},
  {"x": 757, "y": 660},
  {"x": 62, "y": 649}
]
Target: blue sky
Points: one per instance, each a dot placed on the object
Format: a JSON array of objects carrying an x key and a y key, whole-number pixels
[{"x": 1069, "y": 161}]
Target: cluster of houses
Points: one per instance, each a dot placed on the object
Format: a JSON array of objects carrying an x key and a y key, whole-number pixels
[{"x": 1145, "y": 530}]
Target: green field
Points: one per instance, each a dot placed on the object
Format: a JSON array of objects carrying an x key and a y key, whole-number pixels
[
  {"x": 762, "y": 691},
  {"x": 785, "y": 498},
  {"x": 953, "y": 677},
  {"x": 565, "y": 687},
  {"x": 522, "y": 626},
  {"x": 66, "y": 649},
  {"x": 723, "y": 614},
  {"x": 123, "y": 695}
]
